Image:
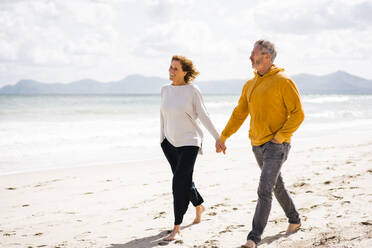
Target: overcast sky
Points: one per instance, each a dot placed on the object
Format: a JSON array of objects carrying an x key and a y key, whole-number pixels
[{"x": 106, "y": 40}]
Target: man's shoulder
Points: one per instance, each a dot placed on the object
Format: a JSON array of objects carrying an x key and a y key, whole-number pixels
[
  {"x": 283, "y": 79},
  {"x": 250, "y": 82},
  {"x": 282, "y": 75}
]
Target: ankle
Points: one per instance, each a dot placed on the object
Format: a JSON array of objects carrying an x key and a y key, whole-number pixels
[{"x": 176, "y": 229}]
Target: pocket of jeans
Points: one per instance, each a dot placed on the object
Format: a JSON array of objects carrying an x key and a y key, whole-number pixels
[{"x": 274, "y": 151}]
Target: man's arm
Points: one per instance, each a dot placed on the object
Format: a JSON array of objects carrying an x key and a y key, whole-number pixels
[
  {"x": 296, "y": 115},
  {"x": 237, "y": 118}
]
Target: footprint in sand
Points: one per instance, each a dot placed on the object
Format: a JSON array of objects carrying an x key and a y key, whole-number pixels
[
  {"x": 219, "y": 205},
  {"x": 8, "y": 234},
  {"x": 366, "y": 223},
  {"x": 160, "y": 215},
  {"x": 47, "y": 182},
  {"x": 300, "y": 184},
  {"x": 314, "y": 206},
  {"x": 11, "y": 188},
  {"x": 63, "y": 244},
  {"x": 209, "y": 243},
  {"x": 230, "y": 228},
  {"x": 212, "y": 213},
  {"x": 327, "y": 239},
  {"x": 214, "y": 185},
  {"x": 335, "y": 197},
  {"x": 278, "y": 220},
  {"x": 80, "y": 237}
]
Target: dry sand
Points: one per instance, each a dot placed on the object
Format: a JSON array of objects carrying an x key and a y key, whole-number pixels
[{"x": 130, "y": 205}]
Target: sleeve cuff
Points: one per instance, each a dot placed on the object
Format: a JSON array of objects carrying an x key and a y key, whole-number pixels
[{"x": 223, "y": 138}]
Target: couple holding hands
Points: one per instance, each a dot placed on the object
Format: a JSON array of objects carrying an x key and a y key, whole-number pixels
[{"x": 273, "y": 102}]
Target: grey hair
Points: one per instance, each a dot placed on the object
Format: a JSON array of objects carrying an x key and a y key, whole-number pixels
[{"x": 267, "y": 47}]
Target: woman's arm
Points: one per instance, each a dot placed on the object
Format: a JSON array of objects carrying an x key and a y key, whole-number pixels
[{"x": 203, "y": 115}]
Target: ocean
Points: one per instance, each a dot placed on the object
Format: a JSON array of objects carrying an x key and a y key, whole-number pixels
[{"x": 52, "y": 131}]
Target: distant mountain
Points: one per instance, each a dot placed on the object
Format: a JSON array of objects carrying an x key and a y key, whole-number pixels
[
  {"x": 134, "y": 84},
  {"x": 335, "y": 83}
]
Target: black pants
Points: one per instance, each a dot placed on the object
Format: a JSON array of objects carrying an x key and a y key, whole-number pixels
[{"x": 182, "y": 160}]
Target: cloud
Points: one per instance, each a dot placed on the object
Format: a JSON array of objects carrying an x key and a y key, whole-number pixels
[
  {"x": 302, "y": 18},
  {"x": 106, "y": 40},
  {"x": 49, "y": 33},
  {"x": 362, "y": 13},
  {"x": 163, "y": 10}
]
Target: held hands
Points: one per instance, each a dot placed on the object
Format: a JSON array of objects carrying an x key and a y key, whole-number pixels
[{"x": 220, "y": 146}]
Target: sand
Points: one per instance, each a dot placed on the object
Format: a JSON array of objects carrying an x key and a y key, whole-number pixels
[{"x": 130, "y": 205}]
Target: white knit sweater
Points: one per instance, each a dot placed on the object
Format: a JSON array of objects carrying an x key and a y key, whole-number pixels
[{"x": 181, "y": 110}]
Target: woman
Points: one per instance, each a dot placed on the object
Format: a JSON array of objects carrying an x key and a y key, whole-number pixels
[{"x": 181, "y": 137}]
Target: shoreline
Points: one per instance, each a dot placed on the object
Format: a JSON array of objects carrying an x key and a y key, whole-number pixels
[{"x": 79, "y": 167}]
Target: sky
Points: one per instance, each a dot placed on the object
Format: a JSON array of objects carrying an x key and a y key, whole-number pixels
[{"x": 107, "y": 40}]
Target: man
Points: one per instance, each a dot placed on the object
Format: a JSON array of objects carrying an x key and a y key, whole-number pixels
[{"x": 273, "y": 101}]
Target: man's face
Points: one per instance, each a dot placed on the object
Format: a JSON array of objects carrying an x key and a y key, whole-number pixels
[{"x": 257, "y": 57}]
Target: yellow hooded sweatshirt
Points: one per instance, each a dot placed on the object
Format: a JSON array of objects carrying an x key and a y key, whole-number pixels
[{"x": 275, "y": 107}]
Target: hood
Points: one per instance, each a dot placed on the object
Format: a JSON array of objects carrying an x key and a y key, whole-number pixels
[{"x": 273, "y": 70}]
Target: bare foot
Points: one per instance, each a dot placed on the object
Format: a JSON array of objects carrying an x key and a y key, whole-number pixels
[
  {"x": 199, "y": 210},
  {"x": 249, "y": 244},
  {"x": 173, "y": 234},
  {"x": 292, "y": 228}
]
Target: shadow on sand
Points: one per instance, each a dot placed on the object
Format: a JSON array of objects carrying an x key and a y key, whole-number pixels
[
  {"x": 147, "y": 242},
  {"x": 270, "y": 239}
]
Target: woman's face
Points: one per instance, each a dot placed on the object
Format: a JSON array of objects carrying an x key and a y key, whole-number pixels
[{"x": 176, "y": 74}]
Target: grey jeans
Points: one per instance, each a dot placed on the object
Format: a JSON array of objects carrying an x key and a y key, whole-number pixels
[{"x": 270, "y": 157}]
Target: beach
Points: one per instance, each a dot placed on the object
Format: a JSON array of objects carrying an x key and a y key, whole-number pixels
[
  {"x": 88, "y": 171},
  {"x": 130, "y": 205}
]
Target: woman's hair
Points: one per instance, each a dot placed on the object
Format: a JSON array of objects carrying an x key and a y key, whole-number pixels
[{"x": 188, "y": 67}]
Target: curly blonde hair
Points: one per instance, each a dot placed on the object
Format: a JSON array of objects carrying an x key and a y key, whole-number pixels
[{"x": 188, "y": 67}]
